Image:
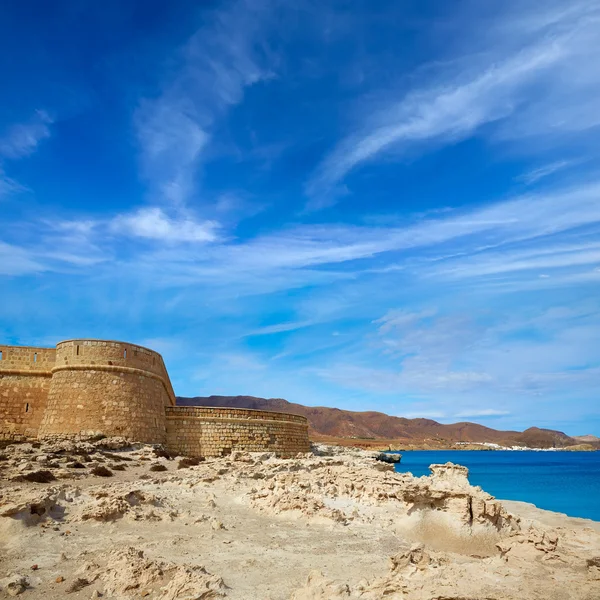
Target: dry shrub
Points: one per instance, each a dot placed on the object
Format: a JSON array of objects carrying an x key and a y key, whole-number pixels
[
  {"x": 157, "y": 468},
  {"x": 101, "y": 471},
  {"x": 118, "y": 467},
  {"x": 184, "y": 463},
  {"x": 37, "y": 477},
  {"x": 162, "y": 453}
]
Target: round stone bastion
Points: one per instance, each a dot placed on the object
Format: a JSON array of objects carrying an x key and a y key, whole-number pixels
[{"x": 109, "y": 388}]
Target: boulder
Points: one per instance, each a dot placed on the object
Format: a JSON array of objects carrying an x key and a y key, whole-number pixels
[{"x": 389, "y": 458}]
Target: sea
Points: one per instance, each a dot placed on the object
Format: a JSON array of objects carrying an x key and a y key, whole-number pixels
[{"x": 564, "y": 482}]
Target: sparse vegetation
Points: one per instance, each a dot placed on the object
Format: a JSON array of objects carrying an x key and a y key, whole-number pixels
[
  {"x": 157, "y": 468},
  {"x": 101, "y": 471},
  {"x": 184, "y": 463},
  {"x": 162, "y": 453},
  {"x": 37, "y": 477}
]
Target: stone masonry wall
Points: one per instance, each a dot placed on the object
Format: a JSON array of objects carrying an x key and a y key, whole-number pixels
[
  {"x": 109, "y": 388},
  {"x": 202, "y": 431},
  {"x": 113, "y": 388},
  {"x": 118, "y": 354},
  {"x": 25, "y": 376}
]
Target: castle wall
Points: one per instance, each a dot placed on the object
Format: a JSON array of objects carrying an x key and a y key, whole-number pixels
[
  {"x": 112, "y": 388},
  {"x": 202, "y": 431},
  {"x": 109, "y": 388},
  {"x": 25, "y": 376}
]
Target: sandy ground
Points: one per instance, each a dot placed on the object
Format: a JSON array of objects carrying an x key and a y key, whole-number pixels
[{"x": 252, "y": 526}]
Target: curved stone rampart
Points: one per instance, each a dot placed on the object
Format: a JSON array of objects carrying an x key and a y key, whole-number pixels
[{"x": 207, "y": 431}]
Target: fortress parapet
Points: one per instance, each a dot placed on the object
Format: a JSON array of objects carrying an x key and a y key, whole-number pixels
[{"x": 103, "y": 387}]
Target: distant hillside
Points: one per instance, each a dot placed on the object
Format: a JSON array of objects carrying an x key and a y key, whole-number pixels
[
  {"x": 583, "y": 439},
  {"x": 334, "y": 422}
]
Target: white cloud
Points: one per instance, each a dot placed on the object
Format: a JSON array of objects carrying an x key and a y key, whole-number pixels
[
  {"x": 280, "y": 328},
  {"x": 525, "y": 218},
  {"x": 17, "y": 261},
  {"x": 172, "y": 141},
  {"x": 424, "y": 414},
  {"x": 519, "y": 235},
  {"x": 538, "y": 173},
  {"x": 9, "y": 186},
  {"x": 216, "y": 65},
  {"x": 536, "y": 234},
  {"x": 19, "y": 141},
  {"x": 470, "y": 364},
  {"x": 153, "y": 223},
  {"x": 22, "y": 139},
  {"x": 482, "y": 412},
  {"x": 541, "y": 84},
  {"x": 399, "y": 318},
  {"x": 542, "y": 257}
]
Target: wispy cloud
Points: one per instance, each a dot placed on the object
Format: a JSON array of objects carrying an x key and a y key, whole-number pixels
[
  {"x": 526, "y": 218},
  {"x": 280, "y": 328},
  {"x": 543, "y": 257},
  {"x": 516, "y": 85},
  {"x": 534, "y": 175},
  {"x": 9, "y": 186},
  {"x": 520, "y": 234},
  {"x": 481, "y": 412},
  {"x": 153, "y": 223},
  {"x": 464, "y": 364},
  {"x": 401, "y": 318},
  {"x": 17, "y": 261},
  {"x": 215, "y": 66},
  {"x": 19, "y": 141},
  {"x": 22, "y": 139},
  {"x": 423, "y": 414},
  {"x": 171, "y": 141},
  {"x": 475, "y": 413}
]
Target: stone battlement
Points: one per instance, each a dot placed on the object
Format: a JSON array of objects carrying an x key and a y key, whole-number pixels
[{"x": 106, "y": 387}]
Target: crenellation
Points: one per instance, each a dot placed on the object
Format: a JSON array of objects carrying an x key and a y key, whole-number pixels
[{"x": 104, "y": 387}]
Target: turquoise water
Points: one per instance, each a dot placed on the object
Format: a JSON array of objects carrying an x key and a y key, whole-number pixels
[{"x": 566, "y": 482}]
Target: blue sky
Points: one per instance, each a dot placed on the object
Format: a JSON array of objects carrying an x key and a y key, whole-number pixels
[{"x": 386, "y": 205}]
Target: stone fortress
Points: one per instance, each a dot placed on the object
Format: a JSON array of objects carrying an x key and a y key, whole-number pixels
[{"x": 99, "y": 387}]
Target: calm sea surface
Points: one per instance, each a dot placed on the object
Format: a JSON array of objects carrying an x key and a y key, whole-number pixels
[{"x": 566, "y": 482}]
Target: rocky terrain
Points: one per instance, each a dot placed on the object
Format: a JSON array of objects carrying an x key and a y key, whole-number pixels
[
  {"x": 375, "y": 429},
  {"x": 111, "y": 519}
]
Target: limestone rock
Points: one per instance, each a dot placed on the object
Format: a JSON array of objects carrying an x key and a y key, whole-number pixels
[
  {"x": 15, "y": 585},
  {"x": 319, "y": 587}
]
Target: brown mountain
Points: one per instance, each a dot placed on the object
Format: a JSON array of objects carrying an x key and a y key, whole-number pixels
[{"x": 336, "y": 423}]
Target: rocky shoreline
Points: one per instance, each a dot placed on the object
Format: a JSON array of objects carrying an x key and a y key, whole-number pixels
[{"x": 111, "y": 519}]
